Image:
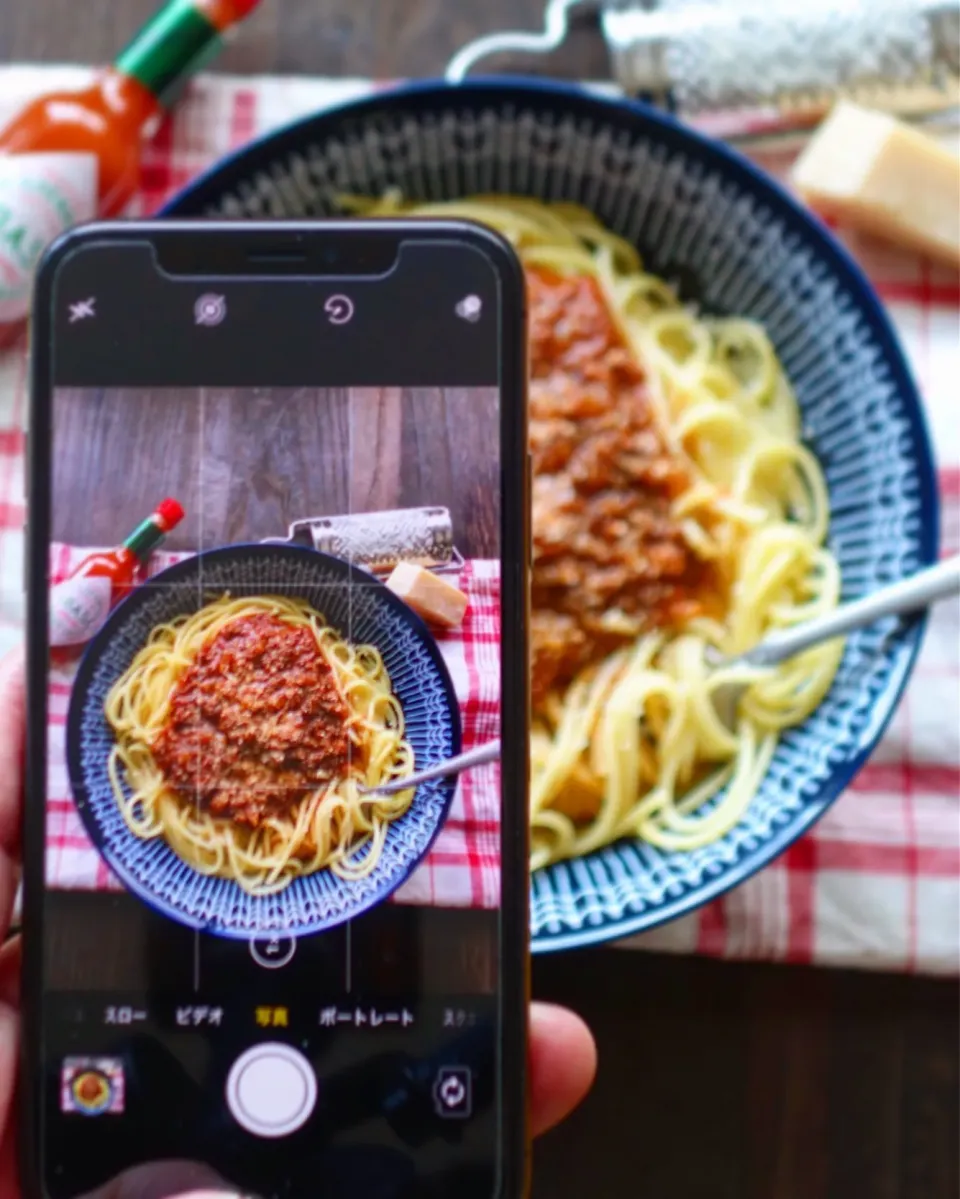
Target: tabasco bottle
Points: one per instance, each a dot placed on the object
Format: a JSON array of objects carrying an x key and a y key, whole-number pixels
[
  {"x": 81, "y": 602},
  {"x": 71, "y": 156}
]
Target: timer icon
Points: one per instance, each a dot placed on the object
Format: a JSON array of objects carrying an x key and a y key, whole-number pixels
[{"x": 339, "y": 309}]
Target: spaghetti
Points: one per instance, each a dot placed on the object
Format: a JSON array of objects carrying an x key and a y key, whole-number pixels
[
  {"x": 676, "y": 511},
  {"x": 244, "y": 734}
]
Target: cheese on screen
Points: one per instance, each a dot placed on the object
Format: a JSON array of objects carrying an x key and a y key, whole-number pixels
[
  {"x": 429, "y": 595},
  {"x": 884, "y": 177}
]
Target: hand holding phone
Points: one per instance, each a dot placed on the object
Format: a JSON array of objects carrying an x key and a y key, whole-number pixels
[
  {"x": 561, "y": 1051},
  {"x": 277, "y": 560}
]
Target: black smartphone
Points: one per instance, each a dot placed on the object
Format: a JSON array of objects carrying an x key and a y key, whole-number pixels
[{"x": 277, "y": 567}]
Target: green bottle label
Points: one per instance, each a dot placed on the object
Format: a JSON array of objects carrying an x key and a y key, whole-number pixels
[
  {"x": 144, "y": 538},
  {"x": 177, "y": 42}
]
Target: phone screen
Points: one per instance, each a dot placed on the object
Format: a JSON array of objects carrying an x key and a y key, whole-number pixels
[{"x": 277, "y": 525}]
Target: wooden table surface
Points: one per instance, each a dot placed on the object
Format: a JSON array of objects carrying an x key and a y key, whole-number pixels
[
  {"x": 716, "y": 1081},
  {"x": 246, "y": 464},
  {"x": 382, "y": 39}
]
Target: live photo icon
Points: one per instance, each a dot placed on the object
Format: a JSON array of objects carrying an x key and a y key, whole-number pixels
[{"x": 469, "y": 308}]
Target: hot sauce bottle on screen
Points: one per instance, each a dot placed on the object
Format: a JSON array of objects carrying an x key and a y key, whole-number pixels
[
  {"x": 80, "y": 603},
  {"x": 71, "y": 156}
]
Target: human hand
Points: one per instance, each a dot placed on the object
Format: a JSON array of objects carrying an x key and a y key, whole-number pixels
[{"x": 562, "y": 1052}]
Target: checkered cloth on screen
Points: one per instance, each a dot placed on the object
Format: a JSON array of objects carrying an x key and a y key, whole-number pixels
[
  {"x": 463, "y": 866},
  {"x": 877, "y": 881}
]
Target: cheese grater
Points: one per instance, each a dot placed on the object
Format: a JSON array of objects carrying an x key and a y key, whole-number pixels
[
  {"x": 796, "y": 57},
  {"x": 718, "y": 55}
]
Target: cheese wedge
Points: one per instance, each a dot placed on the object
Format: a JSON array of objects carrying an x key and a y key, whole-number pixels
[
  {"x": 884, "y": 177},
  {"x": 429, "y": 595}
]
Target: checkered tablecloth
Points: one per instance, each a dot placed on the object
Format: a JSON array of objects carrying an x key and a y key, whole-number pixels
[
  {"x": 877, "y": 882},
  {"x": 462, "y": 868}
]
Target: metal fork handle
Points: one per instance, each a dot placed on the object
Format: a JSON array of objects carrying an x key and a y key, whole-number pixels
[
  {"x": 478, "y": 756},
  {"x": 908, "y": 595}
]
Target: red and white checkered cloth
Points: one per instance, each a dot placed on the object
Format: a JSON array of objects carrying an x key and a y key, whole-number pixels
[
  {"x": 877, "y": 882},
  {"x": 463, "y": 867}
]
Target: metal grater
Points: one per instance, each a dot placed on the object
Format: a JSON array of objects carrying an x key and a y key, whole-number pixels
[
  {"x": 795, "y": 57},
  {"x": 378, "y": 541},
  {"x": 717, "y": 55}
]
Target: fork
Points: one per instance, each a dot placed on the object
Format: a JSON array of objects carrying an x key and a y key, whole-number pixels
[
  {"x": 478, "y": 756},
  {"x": 907, "y": 595}
]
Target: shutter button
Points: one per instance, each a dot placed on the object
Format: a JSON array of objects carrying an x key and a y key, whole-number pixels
[{"x": 271, "y": 1090}]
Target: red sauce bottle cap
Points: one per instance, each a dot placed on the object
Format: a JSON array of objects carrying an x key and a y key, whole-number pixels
[
  {"x": 170, "y": 514},
  {"x": 224, "y": 13}
]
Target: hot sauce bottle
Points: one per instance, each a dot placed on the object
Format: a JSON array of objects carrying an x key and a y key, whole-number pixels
[
  {"x": 81, "y": 602},
  {"x": 71, "y": 156}
]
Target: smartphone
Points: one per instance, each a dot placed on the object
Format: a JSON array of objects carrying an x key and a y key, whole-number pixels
[{"x": 277, "y": 565}]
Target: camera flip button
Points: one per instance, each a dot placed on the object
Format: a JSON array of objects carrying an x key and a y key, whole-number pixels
[{"x": 453, "y": 1093}]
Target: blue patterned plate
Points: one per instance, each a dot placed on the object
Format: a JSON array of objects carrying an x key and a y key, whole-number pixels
[
  {"x": 734, "y": 242},
  {"x": 359, "y": 606}
]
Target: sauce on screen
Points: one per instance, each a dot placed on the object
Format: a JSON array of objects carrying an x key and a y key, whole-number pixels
[{"x": 256, "y": 723}]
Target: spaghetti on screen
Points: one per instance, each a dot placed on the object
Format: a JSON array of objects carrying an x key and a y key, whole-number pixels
[{"x": 245, "y": 733}]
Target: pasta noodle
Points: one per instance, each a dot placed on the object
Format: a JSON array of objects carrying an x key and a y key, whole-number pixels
[
  {"x": 634, "y": 744},
  {"x": 334, "y": 825}
]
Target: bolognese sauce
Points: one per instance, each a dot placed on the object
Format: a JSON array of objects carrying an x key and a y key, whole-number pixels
[
  {"x": 603, "y": 535},
  {"x": 255, "y": 723},
  {"x": 91, "y": 1088}
]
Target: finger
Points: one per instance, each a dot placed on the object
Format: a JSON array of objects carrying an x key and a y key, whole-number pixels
[
  {"x": 10, "y": 973},
  {"x": 13, "y": 721},
  {"x": 215, "y": 1195},
  {"x": 563, "y": 1064},
  {"x": 9, "y": 881},
  {"x": 164, "y": 1180},
  {"x": 12, "y": 730},
  {"x": 10, "y": 1160},
  {"x": 9, "y": 1048}
]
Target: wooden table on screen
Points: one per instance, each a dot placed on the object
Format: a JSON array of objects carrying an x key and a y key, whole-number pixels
[{"x": 246, "y": 464}]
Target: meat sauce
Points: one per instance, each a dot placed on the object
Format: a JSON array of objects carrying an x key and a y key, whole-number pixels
[
  {"x": 91, "y": 1088},
  {"x": 603, "y": 536},
  {"x": 256, "y": 723}
]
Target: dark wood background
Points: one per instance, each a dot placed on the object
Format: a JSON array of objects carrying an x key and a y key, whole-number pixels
[
  {"x": 383, "y": 39},
  {"x": 245, "y": 464},
  {"x": 716, "y": 1081}
]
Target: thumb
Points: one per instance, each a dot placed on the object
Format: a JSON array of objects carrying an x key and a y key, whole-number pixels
[
  {"x": 166, "y": 1180},
  {"x": 213, "y": 1195}
]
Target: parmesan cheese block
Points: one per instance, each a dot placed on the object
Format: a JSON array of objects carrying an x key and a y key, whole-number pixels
[
  {"x": 884, "y": 177},
  {"x": 429, "y": 595}
]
